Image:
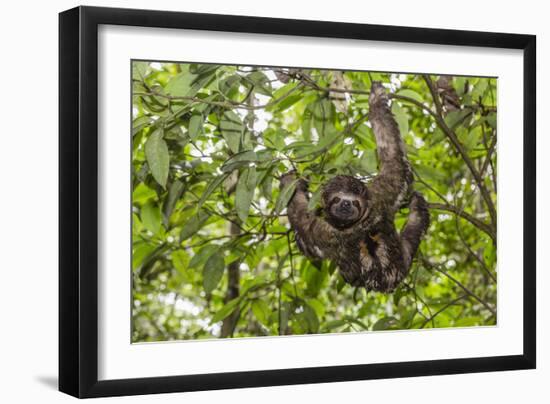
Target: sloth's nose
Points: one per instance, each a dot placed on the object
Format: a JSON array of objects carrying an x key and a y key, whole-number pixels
[{"x": 346, "y": 204}]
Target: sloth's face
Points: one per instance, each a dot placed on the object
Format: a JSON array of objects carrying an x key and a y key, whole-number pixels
[
  {"x": 346, "y": 208},
  {"x": 345, "y": 200}
]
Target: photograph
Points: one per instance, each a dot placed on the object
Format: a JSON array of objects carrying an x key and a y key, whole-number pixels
[{"x": 283, "y": 201}]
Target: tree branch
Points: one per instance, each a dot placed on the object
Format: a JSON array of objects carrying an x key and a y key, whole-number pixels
[
  {"x": 473, "y": 253},
  {"x": 233, "y": 283},
  {"x": 460, "y": 285},
  {"x": 225, "y": 104},
  {"x": 460, "y": 149},
  {"x": 459, "y": 212}
]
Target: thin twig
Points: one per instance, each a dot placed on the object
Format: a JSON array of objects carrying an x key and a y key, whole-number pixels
[
  {"x": 472, "y": 253},
  {"x": 459, "y": 212},
  {"x": 460, "y": 285},
  {"x": 451, "y": 303}
]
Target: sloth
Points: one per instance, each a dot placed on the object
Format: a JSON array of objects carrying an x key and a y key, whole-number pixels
[{"x": 355, "y": 227}]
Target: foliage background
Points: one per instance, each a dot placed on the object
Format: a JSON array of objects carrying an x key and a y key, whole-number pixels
[{"x": 212, "y": 254}]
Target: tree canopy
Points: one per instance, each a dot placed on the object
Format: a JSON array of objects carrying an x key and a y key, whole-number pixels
[{"x": 212, "y": 252}]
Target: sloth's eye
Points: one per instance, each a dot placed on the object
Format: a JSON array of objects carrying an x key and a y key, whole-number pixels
[
  {"x": 336, "y": 200},
  {"x": 357, "y": 204}
]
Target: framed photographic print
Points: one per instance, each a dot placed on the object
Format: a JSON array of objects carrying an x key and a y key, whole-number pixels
[{"x": 251, "y": 201}]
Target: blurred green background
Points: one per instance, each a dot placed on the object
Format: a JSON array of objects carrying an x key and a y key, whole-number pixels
[{"x": 212, "y": 252}]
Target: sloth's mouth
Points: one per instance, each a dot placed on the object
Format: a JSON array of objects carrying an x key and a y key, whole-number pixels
[
  {"x": 343, "y": 217},
  {"x": 347, "y": 212}
]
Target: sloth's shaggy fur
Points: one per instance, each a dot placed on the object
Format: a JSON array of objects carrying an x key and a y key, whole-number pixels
[{"x": 357, "y": 228}]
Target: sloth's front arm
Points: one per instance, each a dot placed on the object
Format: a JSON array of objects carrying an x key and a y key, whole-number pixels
[
  {"x": 392, "y": 185},
  {"x": 314, "y": 236}
]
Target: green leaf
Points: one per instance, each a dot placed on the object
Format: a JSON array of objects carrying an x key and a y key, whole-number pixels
[
  {"x": 284, "y": 89},
  {"x": 136, "y": 225},
  {"x": 203, "y": 69},
  {"x": 468, "y": 321},
  {"x": 261, "y": 83},
  {"x": 401, "y": 117},
  {"x": 275, "y": 138},
  {"x": 212, "y": 272},
  {"x": 492, "y": 120},
  {"x": 307, "y": 118},
  {"x": 315, "y": 200},
  {"x": 460, "y": 84},
  {"x": 323, "y": 114},
  {"x": 453, "y": 118},
  {"x": 140, "y": 253},
  {"x": 226, "y": 310},
  {"x": 238, "y": 160},
  {"x": 187, "y": 83},
  {"x": 245, "y": 192},
  {"x": 469, "y": 139},
  {"x": 322, "y": 110},
  {"x": 489, "y": 253},
  {"x": 150, "y": 217},
  {"x": 261, "y": 311},
  {"x": 266, "y": 183},
  {"x": 284, "y": 196},
  {"x": 314, "y": 278},
  {"x": 142, "y": 193},
  {"x": 139, "y": 70},
  {"x": 158, "y": 159},
  {"x": 479, "y": 89},
  {"x": 198, "y": 260},
  {"x": 204, "y": 107},
  {"x": 284, "y": 315},
  {"x": 180, "y": 259},
  {"x": 334, "y": 324},
  {"x": 230, "y": 85},
  {"x": 140, "y": 123},
  {"x": 180, "y": 85},
  {"x": 285, "y": 103},
  {"x": 340, "y": 283},
  {"x": 195, "y": 126},
  {"x": 176, "y": 133},
  {"x": 308, "y": 319},
  {"x": 330, "y": 139},
  {"x": 317, "y": 304},
  {"x": 369, "y": 161},
  {"x": 174, "y": 194},
  {"x": 429, "y": 172},
  {"x": 384, "y": 323},
  {"x": 232, "y": 129},
  {"x": 411, "y": 94},
  {"x": 215, "y": 183},
  {"x": 407, "y": 317},
  {"x": 366, "y": 136},
  {"x": 193, "y": 225}
]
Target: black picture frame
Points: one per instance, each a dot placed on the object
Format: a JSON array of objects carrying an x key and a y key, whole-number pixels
[{"x": 78, "y": 196}]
